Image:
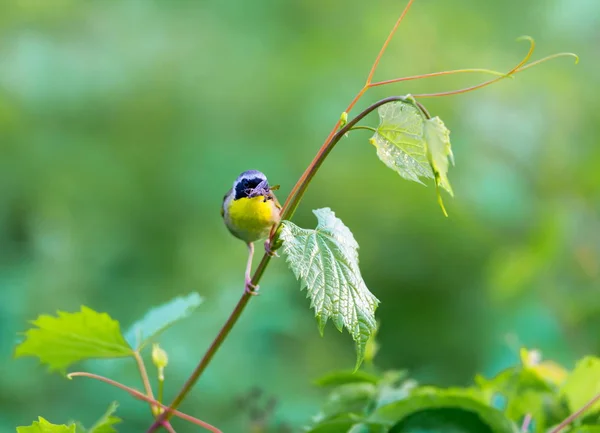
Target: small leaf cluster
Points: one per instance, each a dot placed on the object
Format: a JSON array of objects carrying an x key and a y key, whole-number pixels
[
  {"x": 105, "y": 424},
  {"x": 534, "y": 396},
  {"x": 68, "y": 338}
]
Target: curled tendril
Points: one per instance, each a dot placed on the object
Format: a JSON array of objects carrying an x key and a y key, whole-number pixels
[{"x": 513, "y": 71}]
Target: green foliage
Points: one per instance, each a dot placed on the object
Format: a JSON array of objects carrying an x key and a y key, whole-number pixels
[
  {"x": 106, "y": 422},
  {"x": 399, "y": 140},
  {"x": 390, "y": 402},
  {"x": 583, "y": 384},
  {"x": 530, "y": 388},
  {"x": 343, "y": 377},
  {"x": 442, "y": 410},
  {"x": 43, "y": 426},
  {"x": 414, "y": 145},
  {"x": 325, "y": 260},
  {"x": 437, "y": 141},
  {"x": 439, "y": 151},
  {"x": 160, "y": 318},
  {"x": 70, "y": 337},
  {"x": 103, "y": 425}
]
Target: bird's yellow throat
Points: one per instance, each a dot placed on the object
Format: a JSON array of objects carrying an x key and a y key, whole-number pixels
[{"x": 252, "y": 214}]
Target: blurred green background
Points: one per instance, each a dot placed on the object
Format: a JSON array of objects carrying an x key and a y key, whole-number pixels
[{"x": 123, "y": 123}]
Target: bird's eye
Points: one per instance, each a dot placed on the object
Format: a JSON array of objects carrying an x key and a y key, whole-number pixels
[{"x": 245, "y": 183}]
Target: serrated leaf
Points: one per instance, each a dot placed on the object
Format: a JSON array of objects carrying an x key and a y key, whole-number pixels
[
  {"x": 325, "y": 260},
  {"x": 43, "y": 426},
  {"x": 583, "y": 384},
  {"x": 62, "y": 340},
  {"x": 399, "y": 140},
  {"x": 160, "y": 318},
  {"x": 107, "y": 421},
  {"x": 439, "y": 410}
]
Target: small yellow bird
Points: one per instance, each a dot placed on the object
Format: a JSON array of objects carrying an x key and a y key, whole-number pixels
[{"x": 250, "y": 210}]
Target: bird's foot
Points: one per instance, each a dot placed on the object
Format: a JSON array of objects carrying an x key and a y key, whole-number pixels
[
  {"x": 250, "y": 288},
  {"x": 269, "y": 250}
]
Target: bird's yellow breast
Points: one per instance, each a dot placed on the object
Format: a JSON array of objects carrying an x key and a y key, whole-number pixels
[{"x": 252, "y": 218}]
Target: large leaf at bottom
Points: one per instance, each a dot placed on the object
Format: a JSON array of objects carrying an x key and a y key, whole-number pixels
[
  {"x": 70, "y": 337},
  {"x": 443, "y": 410},
  {"x": 325, "y": 260}
]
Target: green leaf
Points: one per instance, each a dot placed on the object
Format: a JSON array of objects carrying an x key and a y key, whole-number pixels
[
  {"x": 525, "y": 393},
  {"x": 367, "y": 428},
  {"x": 390, "y": 393},
  {"x": 336, "y": 424},
  {"x": 325, "y": 260},
  {"x": 158, "y": 319},
  {"x": 43, "y": 426},
  {"x": 438, "y": 410},
  {"x": 353, "y": 398},
  {"x": 437, "y": 139},
  {"x": 548, "y": 371},
  {"x": 583, "y": 384},
  {"x": 343, "y": 377},
  {"x": 70, "y": 337},
  {"x": 439, "y": 152},
  {"x": 399, "y": 140},
  {"x": 107, "y": 421},
  {"x": 412, "y": 145}
]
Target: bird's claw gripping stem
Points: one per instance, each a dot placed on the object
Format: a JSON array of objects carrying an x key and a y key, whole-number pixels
[
  {"x": 250, "y": 288},
  {"x": 269, "y": 250}
]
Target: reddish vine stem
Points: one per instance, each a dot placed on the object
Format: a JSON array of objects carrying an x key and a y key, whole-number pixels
[
  {"x": 140, "y": 395},
  {"x": 297, "y": 192},
  {"x": 287, "y": 211},
  {"x": 575, "y": 415},
  {"x": 144, "y": 374},
  {"x": 239, "y": 308}
]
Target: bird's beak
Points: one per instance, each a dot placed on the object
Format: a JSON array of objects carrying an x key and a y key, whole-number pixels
[{"x": 260, "y": 189}]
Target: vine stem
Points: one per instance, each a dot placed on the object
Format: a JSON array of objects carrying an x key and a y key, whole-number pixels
[
  {"x": 239, "y": 308},
  {"x": 287, "y": 211},
  {"x": 140, "y": 395},
  {"x": 575, "y": 415},
  {"x": 145, "y": 379},
  {"x": 169, "y": 427},
  {"x": 297, "y": 192},
  {"x": 289, "y": 207}
]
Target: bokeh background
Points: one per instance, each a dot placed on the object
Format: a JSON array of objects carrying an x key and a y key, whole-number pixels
[{"x": 123, "y": 123}]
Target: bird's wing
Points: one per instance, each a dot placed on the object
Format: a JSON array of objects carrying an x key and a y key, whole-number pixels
[{"x": 223, "y": 203}]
